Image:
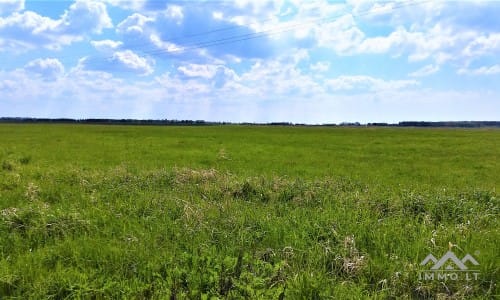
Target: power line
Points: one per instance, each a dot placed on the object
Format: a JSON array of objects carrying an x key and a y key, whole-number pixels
[
  {"x": 253, "y": 35},
  {"x": 263, "y": 33},
  {"x": 202, "y": 33}
]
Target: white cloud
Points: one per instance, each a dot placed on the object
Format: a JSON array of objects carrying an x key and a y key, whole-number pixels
[
  {"x": 218, "y": 76},
  {"x": 29, "y": 30},
  {"x": 270, "y": 78},
  {"x": 341, "y": 35},
  {"x": 361, "y": 82},
  {"x": 176, "y": 28},
  {"x": 48, "y": 69},
  {"x": 439, "y": 43},
  {"x": 119, "y": 63},
  {"x": 134, "y": 24},
  {"x": 218, "y": 15},
  {"x": 197, "y": 70},
  {"x": 264, "y": 81},
  {"x": 134, "y": 62},
  {"x": 436, "y": 40},
  {"x": 305, "y": 10},
  {"x": 320, "y": 66},
  {"x": 491, "y": 70},
  {"x": 78, "y": 94},
  {"x": 127, "y": 4},
  {"x": 276, "y": 77},
  {"x": 182, "y": 89},
  {"x": 383, "y": 44},
  {"x": 26, "y": 30},
  {"x": 106, "y": 45},
  {"x": 174, "y": 12},
  {"x": 164, "y": 46},
  {"x": 421, "y": 31},
  {"x": 425, "y": 71},
  {"x": 483, "y": 44},
  {"x": 381, "y": 9},
  {"x": 254, "y": 15},
  {"x": 97, "y": 94},
  {"x": 85, "y": 16},
  {"x": 420, "y": 14},
  {"x": 258, "y": 7},
  {"x": 9, "y": 6},
  {"x": 434, "y": 43}
]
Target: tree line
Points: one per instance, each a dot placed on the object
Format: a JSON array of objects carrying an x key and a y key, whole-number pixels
[{"x": 464, "y": 124}]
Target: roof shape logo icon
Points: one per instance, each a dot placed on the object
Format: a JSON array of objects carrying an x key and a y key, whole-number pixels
[{"x": 449, "y": 261}]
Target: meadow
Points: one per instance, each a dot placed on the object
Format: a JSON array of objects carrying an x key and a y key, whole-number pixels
[{"x": 245, "y": 212}]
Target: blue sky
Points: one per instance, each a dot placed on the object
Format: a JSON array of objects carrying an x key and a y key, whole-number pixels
[{"x": 251, "y": 61}]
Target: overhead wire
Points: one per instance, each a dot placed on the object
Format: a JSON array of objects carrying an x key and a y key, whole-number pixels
[
  {"x": 249, "y": 36},
  {"x": 202, "y": 33}
]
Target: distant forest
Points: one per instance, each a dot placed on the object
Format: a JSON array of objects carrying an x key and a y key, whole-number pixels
[{"x": 466, "y": 124}]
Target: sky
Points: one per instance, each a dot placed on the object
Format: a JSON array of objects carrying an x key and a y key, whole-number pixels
[{"x": 313, "y": 62}]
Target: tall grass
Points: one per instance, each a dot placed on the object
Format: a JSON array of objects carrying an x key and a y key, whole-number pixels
[
  {"x": 197, "y": 233},
  {"x": 129, "y": 230}
]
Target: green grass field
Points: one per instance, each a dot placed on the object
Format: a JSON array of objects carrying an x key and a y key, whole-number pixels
[{"x": 129, "y": 212}]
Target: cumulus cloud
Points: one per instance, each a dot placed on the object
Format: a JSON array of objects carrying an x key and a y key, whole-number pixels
[
  {"x": 127, "y": 4},
  {"x": 164, "y": 46},
  {"x": 425, "y": 71},
  {"x": 85, "y": 16},
  {"x": 48, "y": 68},
  {"x": 438, "y": 43},
  {"x": 215, "y": 75},
  {"x": 106, "y": 45},
  {"x": 29, "y": 30},
  {"x": 321, "y": 66},
  {"x": 192, "y": 27},
  {"x": 197, "y": 70},
  {"x": 125, "y": 61},
  {"x": 97, "y": 94},
  {"x": 78, "y": 94},
  {"x": 264, "y": 81},
  {"x": 419, "y": 31},
  {"x": 485, "y": 70},
  {"x": 281, "y": 76},
  {"x": 9, "y": 6},
  {"x": 483, "y": 44},
  {"x": 134, "y": 24},
  {"x": 174, "y": 12},
  {"x": 382, "y": 44},
  {"x": 341, "y": 35},
  {"x": 134, "y": 62},
  {"x": 367, "y": 83}
]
